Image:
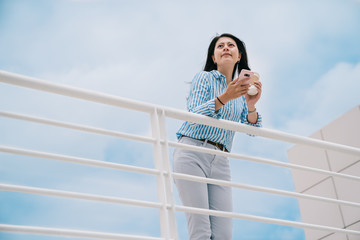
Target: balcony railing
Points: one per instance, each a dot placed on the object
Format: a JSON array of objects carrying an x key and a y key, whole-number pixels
[{"x": 161, "y": 144}]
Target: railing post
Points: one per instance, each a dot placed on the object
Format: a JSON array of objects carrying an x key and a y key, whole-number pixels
[{"x": 164, "y": 180}]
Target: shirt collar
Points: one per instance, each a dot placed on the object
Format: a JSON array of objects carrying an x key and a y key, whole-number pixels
[{"x": 218, "y": 74}]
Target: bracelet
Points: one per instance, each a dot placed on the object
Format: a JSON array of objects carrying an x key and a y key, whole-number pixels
[
  {"x": 220, "y": 101},
  {"x": 249, "y": 112}
]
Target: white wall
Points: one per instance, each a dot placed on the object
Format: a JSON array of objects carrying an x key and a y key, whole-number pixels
[{"x": 344, "y": 130}]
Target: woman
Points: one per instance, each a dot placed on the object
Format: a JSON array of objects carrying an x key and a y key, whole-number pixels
[{"x": 214, "y": 94}]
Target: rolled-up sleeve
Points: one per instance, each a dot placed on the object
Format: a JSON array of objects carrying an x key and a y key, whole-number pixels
[
  {"x": 199, "y": 98},
  {"x": 243, "y": 118}
]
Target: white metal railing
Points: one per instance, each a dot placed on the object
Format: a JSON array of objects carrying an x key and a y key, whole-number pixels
[{"x": 162, "y": 171}]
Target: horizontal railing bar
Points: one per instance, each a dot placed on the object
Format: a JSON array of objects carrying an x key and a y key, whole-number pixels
[
  {"x": 77, "y": 127},
  {"x": 42, "y": 191},
  {"x": 173, "y": 144},
  {"x": 41, "y": 85},
  {"x": 261, "y": 160},
  {"x": 71, "y": 233},
  {"x": 263, "y": 132},
  {"x": 153, "y": 171},
  {"x": 77, "y": 160},
  {"x": 263, "y": 219},
  {"x": 16, "y": 188},
  {"x": 261, "y": 189},
  {"x": 76, "y": 195},
  {"x": 61, "y": 89}
]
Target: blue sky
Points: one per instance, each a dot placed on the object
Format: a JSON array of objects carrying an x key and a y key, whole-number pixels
[{"x": 306, "y": 52}]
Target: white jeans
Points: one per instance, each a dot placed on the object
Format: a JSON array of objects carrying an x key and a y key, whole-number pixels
[{"x": 203, "y": 195}]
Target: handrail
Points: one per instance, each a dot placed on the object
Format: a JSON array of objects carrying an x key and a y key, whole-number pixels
[
  {"x": 45, "y": 86},
  {"x": 262, "y": 189},
  {"x": 264, "y": 219},
  {"x": 171, "y": 144},
  {"x": 174, "y": 175},
  {"x": 164, "y": 175},
  {"x": 76, "y": 127},
  {"x": 85, "y": 161},
  {"x": 76, "y": 195},
  {"x": 72, "y": 233},
  {"x": 262, "y": 132},
  {"x": 263, "y": 160},
  {"x": 33, "y": 83},
  {"x": 92, "y": 197}
]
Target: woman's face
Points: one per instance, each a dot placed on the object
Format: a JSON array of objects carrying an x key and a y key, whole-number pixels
[{"x": 226, "y": 52}]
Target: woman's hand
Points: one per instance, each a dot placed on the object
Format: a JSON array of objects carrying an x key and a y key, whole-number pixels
[
  {"x": 252, "y": 117},
  {"x": 252, "y": 100},
  {"x": 235, "y": 89}
]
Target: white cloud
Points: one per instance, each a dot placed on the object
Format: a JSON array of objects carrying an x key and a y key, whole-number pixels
[{"x": 335, "y": 93}]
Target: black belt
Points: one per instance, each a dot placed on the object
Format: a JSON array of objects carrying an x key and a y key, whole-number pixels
[{"x": 218, "y": 145}]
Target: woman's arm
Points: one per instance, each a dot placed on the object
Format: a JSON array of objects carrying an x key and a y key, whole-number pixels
[
  {"x": 252, "y": 119},
  {"x": 234, "y": 90},
  {"x": 199, "y": 100},
  {"x": 252, "y": 115}
]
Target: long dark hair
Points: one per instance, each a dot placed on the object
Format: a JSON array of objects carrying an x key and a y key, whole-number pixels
[{"x": 243, "y": 64}]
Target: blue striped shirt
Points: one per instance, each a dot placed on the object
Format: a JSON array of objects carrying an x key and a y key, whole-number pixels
[{"x": 205, "y": 87}]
